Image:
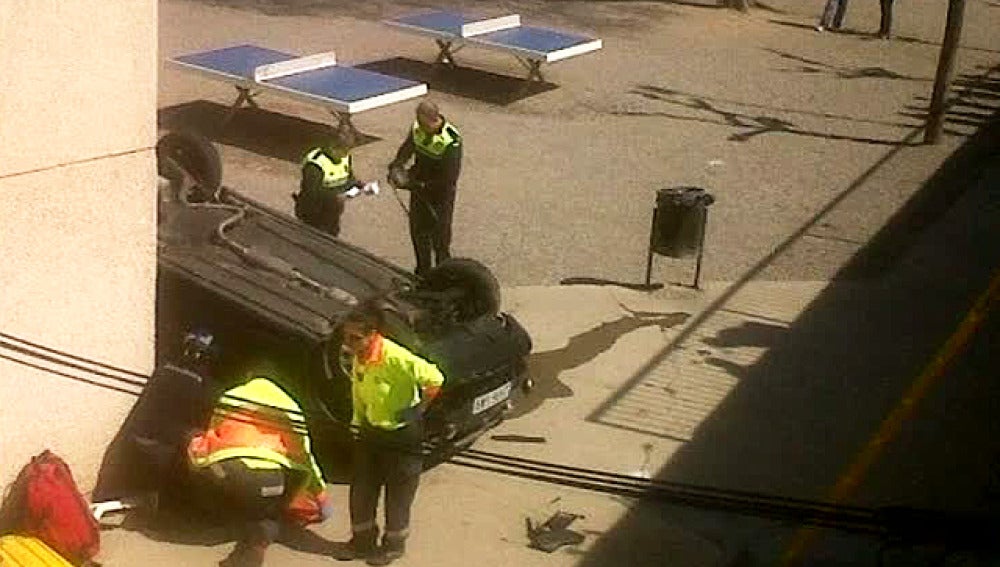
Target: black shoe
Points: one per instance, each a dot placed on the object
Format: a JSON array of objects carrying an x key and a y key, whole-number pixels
[
  {"x": 385, "y": 555},
  {"x": 355, "y": 548}
]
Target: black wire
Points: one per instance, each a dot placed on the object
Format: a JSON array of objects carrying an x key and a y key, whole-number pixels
[
  {"x": 73, "y": 356},
  {"x": 20, "y": 349},
  {"x": 70, "y": 376},
  {"x": 693, "y": 488},
  {"x": 748, "y": 503},
  {"x": 811, "y": 512},
  {"x": 778, "y": 513}
]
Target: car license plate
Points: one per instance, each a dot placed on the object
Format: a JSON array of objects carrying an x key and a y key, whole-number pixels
[{"x": 490, "y": 399}]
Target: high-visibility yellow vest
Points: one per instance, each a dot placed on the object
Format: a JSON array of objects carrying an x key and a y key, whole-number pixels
[
  {"x": 259, "y": 424},
  {"x": 382, "y": 387},
  {"x": 335, "y": 171},
  {"x": 435, "y": 145}
]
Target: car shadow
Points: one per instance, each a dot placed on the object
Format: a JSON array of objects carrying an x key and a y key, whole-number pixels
[{"x": 545, "y": 368}]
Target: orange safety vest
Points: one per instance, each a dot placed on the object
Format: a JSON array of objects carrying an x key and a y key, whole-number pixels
[{"x": 262, "y": 426}]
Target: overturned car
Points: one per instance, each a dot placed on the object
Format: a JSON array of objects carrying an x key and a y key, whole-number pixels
[{"x": 268, "y": 286}]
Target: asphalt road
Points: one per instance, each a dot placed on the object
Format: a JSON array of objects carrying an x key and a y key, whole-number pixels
[{"x": 772, "y": 118}]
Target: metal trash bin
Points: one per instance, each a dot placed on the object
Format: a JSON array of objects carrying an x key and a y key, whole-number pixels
[
  {"x": 679, "y": 221},
  {"x": 678, "y": 229}
]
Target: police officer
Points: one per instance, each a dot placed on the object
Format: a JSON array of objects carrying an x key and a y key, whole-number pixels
[
  {"x": 391, "y": 388},
  {"x": 255, "y": 463},
  {"x": 327, "y": 181},
  {"x": 437, "y": 146}
]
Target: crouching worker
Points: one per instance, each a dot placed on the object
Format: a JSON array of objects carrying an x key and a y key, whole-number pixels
[
  {"x": 391, "y": 388},
  {"x": 255, "y": 461}
]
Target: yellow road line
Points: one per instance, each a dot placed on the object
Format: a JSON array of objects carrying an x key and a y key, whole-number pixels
[{"x": 851, "y": 478}]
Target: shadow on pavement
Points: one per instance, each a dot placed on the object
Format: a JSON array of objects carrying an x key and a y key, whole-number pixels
[
  {"x": 799, "y": 414},
  {"x": 185, "y": 528},
  {"x": 749, "y": 123},
  {"x": 813, "y": 66},
  {"x": 948, "y": 184},
  {"x": 256, "y": 130},
  {"x": 872, "y": 35},
  {"x": 462, "y": 81},
  {"x": 972, "y": 106},
  {"x": 545, "y": 368}
]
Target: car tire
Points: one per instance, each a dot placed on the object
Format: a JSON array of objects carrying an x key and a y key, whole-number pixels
[
  {"x": 482, "y": 290},
  {"x": 196, "y": 156}
]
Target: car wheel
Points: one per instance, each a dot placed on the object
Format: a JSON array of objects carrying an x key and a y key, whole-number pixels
[
  {"x": 481, "y": 290},
  {"x": 196, "y": 157}
]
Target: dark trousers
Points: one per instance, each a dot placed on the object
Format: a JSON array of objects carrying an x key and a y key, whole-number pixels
[
  {"x": 833, "y": 14},
  {"x": 320, "y": 208},
  {"x": 431, "y": 211},
  {"x": 255, "y": 499},
  {"x": 389, "y": 459},
  {"x": 885, "y": 24}
]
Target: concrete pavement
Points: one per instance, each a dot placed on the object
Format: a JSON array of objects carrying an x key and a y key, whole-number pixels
[
  {"x": 825, "y": 287},
  {"x": 764, "y": 386}
]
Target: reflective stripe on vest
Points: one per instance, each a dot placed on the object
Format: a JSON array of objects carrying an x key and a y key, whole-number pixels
[
  {"x": 335, "y": 172},
  {"x": 434, "y": 145},
  {"x": 235, "y": 416}
]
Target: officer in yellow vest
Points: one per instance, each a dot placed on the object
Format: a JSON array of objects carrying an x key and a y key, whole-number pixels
[
  {"x": 437, "y": 147},
  {"x": 327, "y": 181},
  {"x": 391, "y": 388},
  {"x": 254, "y": 461}
]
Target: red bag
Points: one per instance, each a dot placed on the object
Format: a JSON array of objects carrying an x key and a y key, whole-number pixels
[{"x": 45, "y": 502}]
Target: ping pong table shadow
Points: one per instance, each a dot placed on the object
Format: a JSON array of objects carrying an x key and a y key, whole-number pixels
[
  {"x": 253, "y": 129},
  {"x": 466, "y": 82}
]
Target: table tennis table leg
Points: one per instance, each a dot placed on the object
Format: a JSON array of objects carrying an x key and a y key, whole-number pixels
[
  {"x": 447, "y": 52},
  {"x": 344, "y": 123},
  {"x": 245, "y": 97},
  {"x": 534, "y": 68}
]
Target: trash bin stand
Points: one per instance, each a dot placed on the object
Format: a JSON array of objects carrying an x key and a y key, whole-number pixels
[
  {"x": 649, "y": 257},
  {"x": 701, "y": 248}
]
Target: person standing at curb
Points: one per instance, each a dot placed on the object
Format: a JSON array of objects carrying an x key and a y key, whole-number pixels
[{"x": 391, "y": 388}]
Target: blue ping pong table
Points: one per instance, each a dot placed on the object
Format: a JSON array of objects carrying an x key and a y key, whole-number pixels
[
  {"x": 315, "y": 79},
  {"x": 532, "y": 46}
]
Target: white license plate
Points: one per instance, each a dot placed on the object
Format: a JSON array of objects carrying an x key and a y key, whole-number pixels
[{"x": 490, "y": 399}]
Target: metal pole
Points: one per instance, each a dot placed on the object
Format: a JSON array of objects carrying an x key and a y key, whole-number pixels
[
  {"x": 649, "y": 257},
  {"x": 701, "y": 247},
  {"x": 945, "y": 70}
]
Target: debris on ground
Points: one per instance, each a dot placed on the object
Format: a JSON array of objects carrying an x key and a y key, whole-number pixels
[
  {"x": 518, "y": 438},
  {"x": 554, "y": 532}
]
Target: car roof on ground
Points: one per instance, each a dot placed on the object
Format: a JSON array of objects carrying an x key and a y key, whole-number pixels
[{"x": 332, "y": 275}]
